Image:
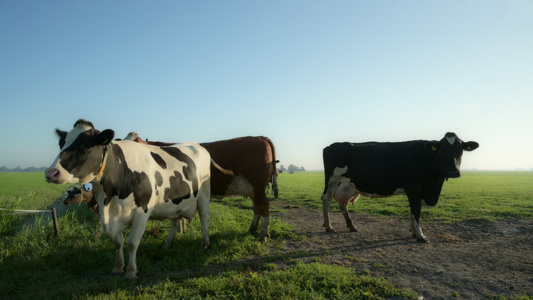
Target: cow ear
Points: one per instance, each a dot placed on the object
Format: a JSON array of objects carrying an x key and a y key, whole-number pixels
[
  {"x": 61, "y": 133},
  {"x": 432, "y": 146},
  {"x": 469, "y": 146},
  {"x": 105, "y": 137}
]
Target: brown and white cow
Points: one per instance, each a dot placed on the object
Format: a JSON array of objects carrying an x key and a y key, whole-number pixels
[
  {"x": 134, "y": 182},
  {"x": 253, "y": 162}
]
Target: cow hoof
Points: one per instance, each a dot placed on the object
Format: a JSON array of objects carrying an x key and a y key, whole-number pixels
[
  {"x": 205, "y": 246},
  {"x": 117, "y": 272},
  {"x": 353, "y": 229},
  {"x": 330, "y": 229},
  {"x": 422, "y": 240},
  {"x": 130, "y": 277},
  {"x": 263, "y": 239}
]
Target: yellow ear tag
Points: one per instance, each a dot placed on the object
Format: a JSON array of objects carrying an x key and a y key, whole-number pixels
[
  {"x": 433, "y": 148},
  {"x": 468, "y": 148},
  {"x": 105, "y": 142}
]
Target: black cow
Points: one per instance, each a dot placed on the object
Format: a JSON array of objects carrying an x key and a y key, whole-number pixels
[{"x": 414, "y": 168}]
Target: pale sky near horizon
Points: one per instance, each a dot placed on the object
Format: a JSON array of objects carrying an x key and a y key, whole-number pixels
[{"x": 304, "y": 73}]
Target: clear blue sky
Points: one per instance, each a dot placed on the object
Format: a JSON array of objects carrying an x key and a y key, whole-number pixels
[{"x": 304, "y": 73}]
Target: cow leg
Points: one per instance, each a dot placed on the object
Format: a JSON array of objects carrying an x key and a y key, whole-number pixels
[
  {"x": 138, "y": 227},
  {"x": 255, "y": 222},
  {"x": 204, "y": 212},
  {"x": 183, "y": 225},
  {"x": 349, "y": 222},
  {"x": 326, "y": 203},
  {"x": 416, "y": 210},
  {"x": 118, "y": 241},
  {"x": 275, "y": 188},
  {"x": 261, "y": 210},
  {"x": 175, "y": 226}
]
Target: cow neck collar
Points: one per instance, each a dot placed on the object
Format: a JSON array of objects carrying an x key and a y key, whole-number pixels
[{"x": 104, "y": 161}]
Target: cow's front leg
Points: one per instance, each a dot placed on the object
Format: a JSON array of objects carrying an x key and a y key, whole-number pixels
[
  {"x": 416, "y": 210},
  {"x": 349, "y": 222},
  {"x": 118, "y": 241},
  {"x": 137, "y": 230}
]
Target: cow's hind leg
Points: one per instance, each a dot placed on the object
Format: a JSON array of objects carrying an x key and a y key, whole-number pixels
[
  {"x": 176, "y": 225},
  {"x": 204, "y": 212},
  {"x": 329, "y": 191},
  {"x": 349, "y": 222},
  {"x": 261, "y": 212},
  {"x": 275, "y": 187}
]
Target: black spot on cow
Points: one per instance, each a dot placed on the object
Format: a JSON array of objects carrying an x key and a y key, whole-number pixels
[
  {"x": 189, "y": 170},
  {"x": 179, "y": 189},
  {"x": 158, "y": 182},
  {"x": 159, "y": 160},
  {"x": 119, "y": 180},
  {"x": 158, "y": 178}
]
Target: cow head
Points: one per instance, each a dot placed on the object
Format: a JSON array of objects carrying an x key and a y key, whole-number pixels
[
  {"x": 76, "y": 194},
  {"x": 81, "y": 155},
  {"x": 450, "y": 150},
  {"x": 134, "y": 136}
]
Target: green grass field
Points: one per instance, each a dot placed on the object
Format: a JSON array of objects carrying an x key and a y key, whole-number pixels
[{"x": 77, "y": 264}]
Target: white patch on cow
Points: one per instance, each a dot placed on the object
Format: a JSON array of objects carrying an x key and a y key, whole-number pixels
[
  {"x": 74, "y": 133},
  {"x": 239, "y": 186},
  {"x": 345, "y": 191},
  {"x": 451, "y": 139},
  {"x": 339, "y": 171},
  {"x": 417, "y": 231}
]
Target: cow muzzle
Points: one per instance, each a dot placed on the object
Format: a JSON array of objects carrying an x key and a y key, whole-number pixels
[
  {"x": 52, "y": 175},
  {"x": 455, "y": 174}
]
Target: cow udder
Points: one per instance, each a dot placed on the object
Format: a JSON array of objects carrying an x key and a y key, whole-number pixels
[{"x": 346, "y": 192}]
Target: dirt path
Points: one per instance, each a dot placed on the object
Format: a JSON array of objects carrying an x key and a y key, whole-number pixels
[{"x": 470, "y": 260}]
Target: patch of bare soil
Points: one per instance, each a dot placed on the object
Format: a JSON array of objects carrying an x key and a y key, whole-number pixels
[{"x": 468, "y": 260}]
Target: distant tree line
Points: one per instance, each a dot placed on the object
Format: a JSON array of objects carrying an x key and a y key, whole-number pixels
[
  {"x": 19, "y": 169},
  {"x": 291, "y": 169}
]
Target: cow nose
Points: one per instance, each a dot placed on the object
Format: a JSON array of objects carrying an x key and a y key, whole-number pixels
[{"x": 51, "y": 175}]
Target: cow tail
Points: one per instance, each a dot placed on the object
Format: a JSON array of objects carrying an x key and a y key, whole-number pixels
[
  {"x": 226, "y": 172},
  {"x": 274, "y": 176}
]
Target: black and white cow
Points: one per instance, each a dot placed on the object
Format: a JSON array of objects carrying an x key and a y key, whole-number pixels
[
  {"x": 135, "y": 182},
  {"x": 414, "y": 168}
]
